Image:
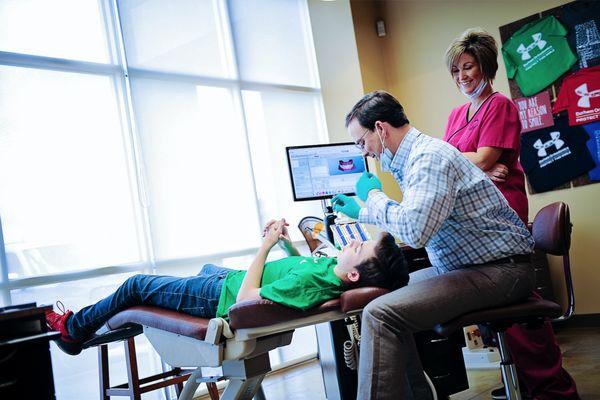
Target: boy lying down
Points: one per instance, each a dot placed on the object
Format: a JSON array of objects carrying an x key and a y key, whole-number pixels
[{"x": 294, "y": 281}]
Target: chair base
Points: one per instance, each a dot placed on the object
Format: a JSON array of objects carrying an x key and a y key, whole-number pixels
[
  {"x": 135, "y": 387},
  {"x": 509, "y": 371}
]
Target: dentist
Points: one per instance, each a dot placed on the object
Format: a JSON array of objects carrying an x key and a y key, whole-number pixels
[{"x": 478, "y": 246}]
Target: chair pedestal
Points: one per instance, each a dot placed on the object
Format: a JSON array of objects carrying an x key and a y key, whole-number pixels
[
  {"x": 531, "y": 311},
  {"x": 509, "y": 372}
]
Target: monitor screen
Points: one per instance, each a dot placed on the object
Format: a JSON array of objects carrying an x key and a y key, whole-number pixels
[{"x": 322, "y": 171}]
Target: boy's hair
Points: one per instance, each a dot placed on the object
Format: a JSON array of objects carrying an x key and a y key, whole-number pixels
[
  {"x": 377, "y": 106},
  {"x": 387, "y": 269}
]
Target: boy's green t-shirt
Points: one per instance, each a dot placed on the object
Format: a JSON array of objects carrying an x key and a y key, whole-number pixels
[
  {"x": 537, "y": 54},
  {"x": 297, "y": 282}
]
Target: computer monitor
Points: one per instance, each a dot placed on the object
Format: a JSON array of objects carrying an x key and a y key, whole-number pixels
[{"x": 324, "y": 170}]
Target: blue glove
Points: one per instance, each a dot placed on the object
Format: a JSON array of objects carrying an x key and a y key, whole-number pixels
[
  {"x": 346, "y": 205},
  {"x": 365, "y": 184}
]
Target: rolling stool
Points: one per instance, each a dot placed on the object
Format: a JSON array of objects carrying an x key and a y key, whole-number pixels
[{"x": 551, "y": 231}]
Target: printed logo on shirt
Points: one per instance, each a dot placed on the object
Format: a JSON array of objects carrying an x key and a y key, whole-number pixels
[
  {"x": 587, "y": 42},
  {"x": 585, "y": 95},
  {"x": 538, "y": 43},
  {"x": 557, "y": 143}
]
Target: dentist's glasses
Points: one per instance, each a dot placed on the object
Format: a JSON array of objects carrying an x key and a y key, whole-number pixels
[{"x": 360, "y": 143}]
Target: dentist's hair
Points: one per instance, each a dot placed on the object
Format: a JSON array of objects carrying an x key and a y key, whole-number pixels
[
  {"x": 481, "y": 45},
  {"x": 377, "y": 106},
  {"x": 387, "y": 269}
]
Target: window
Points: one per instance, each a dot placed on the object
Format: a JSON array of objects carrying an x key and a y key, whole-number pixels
[
  {"x": 199, "y": 186},
  {"x": 145, "y": 136},
  {"x": 44, "y": 28},
  {"x": 66, "y": 198},
  {"x": 274, "y": 42}
]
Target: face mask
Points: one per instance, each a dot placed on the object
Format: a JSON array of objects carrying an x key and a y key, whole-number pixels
[
  {"x": 386, "y": 156},
  {"x": 478, "y": 90}
]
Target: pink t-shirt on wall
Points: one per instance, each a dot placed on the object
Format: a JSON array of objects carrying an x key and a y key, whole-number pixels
[{"x": 495, "y": 124}]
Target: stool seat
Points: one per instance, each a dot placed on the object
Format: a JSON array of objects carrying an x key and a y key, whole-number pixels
[{"x": 529, "y": 310}]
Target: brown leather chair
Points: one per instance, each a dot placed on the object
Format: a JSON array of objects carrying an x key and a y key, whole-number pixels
[{"x": 551, "y": 230}]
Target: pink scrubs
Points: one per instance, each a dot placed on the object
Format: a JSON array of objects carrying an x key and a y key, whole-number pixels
[{"x": 495, "y": 124}]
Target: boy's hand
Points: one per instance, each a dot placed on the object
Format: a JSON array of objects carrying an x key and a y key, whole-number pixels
[
  {"x": 273, "y": 232},
  {"x": 284, "y": 232}
]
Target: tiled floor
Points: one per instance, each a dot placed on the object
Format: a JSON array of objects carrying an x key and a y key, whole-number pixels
[{"x": 580, "y": 346}]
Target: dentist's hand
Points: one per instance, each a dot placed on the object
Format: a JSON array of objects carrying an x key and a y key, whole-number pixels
[
  {"x": 346, "y": 205},
  {"x": 365, "y": 184}
]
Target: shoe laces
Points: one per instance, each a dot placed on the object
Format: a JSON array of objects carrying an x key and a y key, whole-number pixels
[{"x": 61, "y": 307}]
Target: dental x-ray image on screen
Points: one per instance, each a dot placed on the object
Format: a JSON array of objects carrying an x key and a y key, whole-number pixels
[{"x": 322, "y": 171}]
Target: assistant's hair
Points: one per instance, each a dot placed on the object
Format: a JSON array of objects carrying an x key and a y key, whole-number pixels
[
  {"x": 481, "y": 45},
  {"x": 387, "y": 269},
  {"x": 377, "y": 106}
]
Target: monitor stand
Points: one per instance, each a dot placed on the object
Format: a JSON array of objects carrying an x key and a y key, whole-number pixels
[{"x": 328, "y": 218}]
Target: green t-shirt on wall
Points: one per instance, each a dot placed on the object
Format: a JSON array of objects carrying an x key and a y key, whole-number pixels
[
  {"x": 537, "y": 54},
  {"x": 297, "y": 282}
]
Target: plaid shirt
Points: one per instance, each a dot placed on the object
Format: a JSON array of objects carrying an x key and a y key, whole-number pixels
[{"x": 449, "y": 207}]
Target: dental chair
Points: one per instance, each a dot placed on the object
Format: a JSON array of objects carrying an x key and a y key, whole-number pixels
[{"x": 240, "y": 347}]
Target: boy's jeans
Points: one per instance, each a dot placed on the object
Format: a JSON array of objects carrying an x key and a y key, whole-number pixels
[{"x": 196, "y": 295}]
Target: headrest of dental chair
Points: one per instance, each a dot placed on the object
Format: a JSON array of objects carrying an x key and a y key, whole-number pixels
[{"x": 357, "y": 299}]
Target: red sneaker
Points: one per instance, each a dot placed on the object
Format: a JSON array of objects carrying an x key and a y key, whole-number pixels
[{"x": 58, "y": 323}]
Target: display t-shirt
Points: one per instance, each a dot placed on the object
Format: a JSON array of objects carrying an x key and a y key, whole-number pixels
[
  {"x": 580, "y": 96},
  {"x": 297, "y": 282},
  {"x": 555, "y": 155},
  {"x": 495, "y": 124},
  {"x": 582, "y": 19},
  {"x": 593, "y": 145},
  {"x": 537, "y": 54}
]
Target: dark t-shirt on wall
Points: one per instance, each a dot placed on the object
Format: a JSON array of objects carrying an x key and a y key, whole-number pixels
[
  {"x": 555, "y": 155},
  {"x": 583, "y": 24}
]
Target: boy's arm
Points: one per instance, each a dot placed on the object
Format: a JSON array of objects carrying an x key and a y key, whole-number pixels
[
  {"x": 289, "y": 248},
  {"x": 250, "y": 289}
]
